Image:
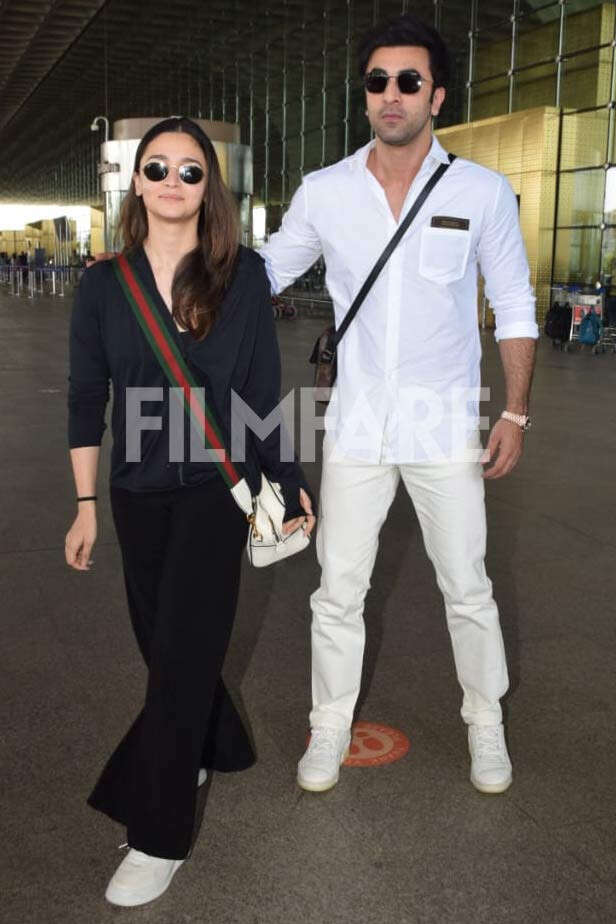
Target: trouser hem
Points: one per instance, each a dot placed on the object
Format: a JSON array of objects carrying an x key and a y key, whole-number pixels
[
  {"x": 333, "y": 725},
  {"x": 485, "y": 722}
]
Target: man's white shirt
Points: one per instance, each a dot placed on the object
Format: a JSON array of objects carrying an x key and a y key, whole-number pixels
[{"x": 409, "y": 364}]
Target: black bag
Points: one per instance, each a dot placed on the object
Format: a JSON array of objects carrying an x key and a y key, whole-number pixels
[
  {"x": 552, "y": 322},
  {"x": 558, "y": 322},
  {"x": 323, "y": 355}
]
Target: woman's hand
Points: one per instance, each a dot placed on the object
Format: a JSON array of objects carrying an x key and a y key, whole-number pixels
[
  {"x": 307, "y": 522},
  {"x": 80, "y": 539}
]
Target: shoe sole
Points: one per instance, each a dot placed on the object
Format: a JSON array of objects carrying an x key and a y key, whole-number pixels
[
  {"x": 132, "y": 901},
  {"x": 492, "y": 789},
  {"x": 321, "y": 787}
]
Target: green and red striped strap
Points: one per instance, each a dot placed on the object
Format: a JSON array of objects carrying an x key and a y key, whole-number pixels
[{"x": 173, "y": 365}]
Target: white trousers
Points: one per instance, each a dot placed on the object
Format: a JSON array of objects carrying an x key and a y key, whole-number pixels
[{"x": 449, "y": 501}]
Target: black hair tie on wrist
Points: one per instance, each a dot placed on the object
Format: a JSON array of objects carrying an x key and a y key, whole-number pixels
[{"x": 92, "y": 497}]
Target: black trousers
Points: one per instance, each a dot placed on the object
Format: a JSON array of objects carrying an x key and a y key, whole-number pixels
[{"x": 182, "y": 552}]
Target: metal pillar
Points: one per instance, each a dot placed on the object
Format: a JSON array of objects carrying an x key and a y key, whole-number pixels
[
  {"x": 302, "y": 128},
  {"x": 267, "y": 136},
  {"x": 611, "y": 131},
  {"x": 514, "y": 52},
  {"x": 105, "y": 60},
  {"x": 609, "y": 153},
  {"x": 323, "y": 160},
  {"x": 438, "y": 9},
  {"x": 283, "y": 163},
  {"x": 471, "y": 60},
  {"x": 561, "y": 51},
  {"x": 188, "y": 108},
  {"x": 347, "y": 77},
  {"x": 251, "y": 103}
]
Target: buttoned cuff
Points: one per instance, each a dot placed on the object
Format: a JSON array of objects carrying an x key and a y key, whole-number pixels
[{"x": 519, "y": 329}]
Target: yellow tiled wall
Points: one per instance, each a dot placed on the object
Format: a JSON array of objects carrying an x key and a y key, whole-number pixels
[{"x": 524, "y": 147}]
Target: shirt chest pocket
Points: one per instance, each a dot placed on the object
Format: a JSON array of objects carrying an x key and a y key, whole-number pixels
[{"x": 443, "y": 254}]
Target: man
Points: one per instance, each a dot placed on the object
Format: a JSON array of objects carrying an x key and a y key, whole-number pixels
[{"x": 407, "y": 367}]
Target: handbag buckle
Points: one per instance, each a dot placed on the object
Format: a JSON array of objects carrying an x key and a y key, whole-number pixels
[{"x": 252, "y": 519}]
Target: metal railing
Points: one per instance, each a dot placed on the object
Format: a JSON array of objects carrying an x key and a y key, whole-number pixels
[{"x": 34, "y": 281}]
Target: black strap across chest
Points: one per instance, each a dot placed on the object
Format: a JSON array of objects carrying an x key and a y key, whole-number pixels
[{"x": 380, "y": 263}]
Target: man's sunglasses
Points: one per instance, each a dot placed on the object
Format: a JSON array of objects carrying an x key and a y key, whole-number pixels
[
  {"x": 156, "y": 170},
  {"x": 409, "y": 81}
]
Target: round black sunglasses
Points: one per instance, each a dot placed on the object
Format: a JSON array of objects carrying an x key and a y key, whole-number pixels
[
  {"x": 156, "y": 170},
  {"x": 409, "y": 81}
]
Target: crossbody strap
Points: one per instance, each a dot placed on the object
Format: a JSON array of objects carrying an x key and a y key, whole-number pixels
[
  {"x": 380, "y": 263},
  {"x": 174, "y": 366}
]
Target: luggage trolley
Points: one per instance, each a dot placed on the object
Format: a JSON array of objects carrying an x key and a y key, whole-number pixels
[{"x": 581, "y": 302}]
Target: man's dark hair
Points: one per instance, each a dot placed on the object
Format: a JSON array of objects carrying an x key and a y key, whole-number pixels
[{"x": 407, "y": 30}]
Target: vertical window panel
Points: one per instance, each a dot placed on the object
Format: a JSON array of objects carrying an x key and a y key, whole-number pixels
[
  {"x": 535, "y": 87},
  {"x": 581, "y": 87},
  {"x": 584, "y": 139},
  {"x": 581, "y": 197},
  {"x": 578, "y": 256}
]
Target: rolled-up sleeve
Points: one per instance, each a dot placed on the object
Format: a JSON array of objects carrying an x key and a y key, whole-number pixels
[
  {"x": 504, "y": 265},
  {"x": 295, "y": 247},
  {"x": 88, "y": 391}
]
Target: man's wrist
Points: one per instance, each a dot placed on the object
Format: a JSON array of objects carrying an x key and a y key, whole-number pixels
[
  {"x": 516, "y": 407},
  {"x": 520, "y": 420}
]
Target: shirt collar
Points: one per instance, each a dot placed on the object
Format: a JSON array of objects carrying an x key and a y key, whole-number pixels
[{"x": 436, "y": 152}]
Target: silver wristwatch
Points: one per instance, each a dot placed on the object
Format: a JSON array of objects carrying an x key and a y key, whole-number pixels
[{"x": 522, "y": 420}]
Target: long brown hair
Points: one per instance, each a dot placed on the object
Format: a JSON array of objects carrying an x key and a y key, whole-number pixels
[{"x": 204, "y": 274}]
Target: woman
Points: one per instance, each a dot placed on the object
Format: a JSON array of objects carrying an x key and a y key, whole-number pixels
[{"x": 180, "y": 531}]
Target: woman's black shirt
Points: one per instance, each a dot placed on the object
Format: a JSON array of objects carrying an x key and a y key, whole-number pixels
[{"x": 239, "y": 354}]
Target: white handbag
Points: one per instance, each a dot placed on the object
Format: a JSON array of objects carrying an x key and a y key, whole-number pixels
[{"x": 266, "y": 543}]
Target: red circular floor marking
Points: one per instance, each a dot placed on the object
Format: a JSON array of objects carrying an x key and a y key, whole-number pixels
[{"x": 373, "y": 745}]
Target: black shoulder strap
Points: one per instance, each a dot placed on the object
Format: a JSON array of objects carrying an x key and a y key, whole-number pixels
[{"x": 380, "y": 263}]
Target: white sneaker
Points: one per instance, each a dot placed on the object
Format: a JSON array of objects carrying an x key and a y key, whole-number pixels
[
  {"x": 490, "y": 763},
  {"x": 140, "y": 878},
  {"x": 319, "y": 768}
]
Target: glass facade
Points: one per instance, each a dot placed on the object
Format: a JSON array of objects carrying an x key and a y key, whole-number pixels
[{"x": 286, "y": 71}]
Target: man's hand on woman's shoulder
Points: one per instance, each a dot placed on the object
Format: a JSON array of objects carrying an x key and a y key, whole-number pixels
[{"x": 108, "y": 255}]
